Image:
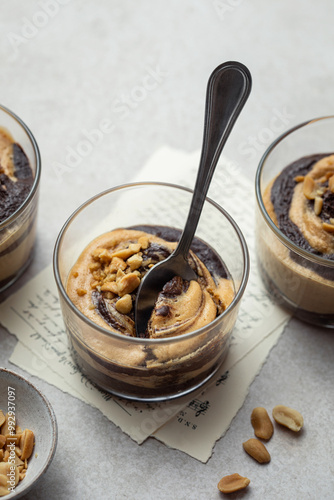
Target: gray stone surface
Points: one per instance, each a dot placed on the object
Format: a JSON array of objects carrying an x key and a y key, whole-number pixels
[{"x": 67, "y": 67}]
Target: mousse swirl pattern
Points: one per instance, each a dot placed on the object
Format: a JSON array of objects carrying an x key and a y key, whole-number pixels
[
  {"x": 300, "y": 201},
  {"x": 103, "y": 284}
]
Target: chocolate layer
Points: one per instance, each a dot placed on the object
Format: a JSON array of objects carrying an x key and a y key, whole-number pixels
[
  {"x": 13, "y": 191},
  {"x": 203, "y": 251}
]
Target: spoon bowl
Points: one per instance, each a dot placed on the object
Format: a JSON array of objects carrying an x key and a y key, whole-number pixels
[{"x": 228, "y": 89}]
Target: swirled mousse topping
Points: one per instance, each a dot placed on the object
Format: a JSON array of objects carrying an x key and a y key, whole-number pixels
[
  {"x": 300, "y": 201},
  {"x": 104, "y": 281},
  {"x": 16, "y": 177}
]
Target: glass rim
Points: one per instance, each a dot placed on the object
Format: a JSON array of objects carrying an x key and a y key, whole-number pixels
[
  {"x": 283, "y": 238},
  {"x": 34, "y": 186},
  {"x": 139, "y": 340}
]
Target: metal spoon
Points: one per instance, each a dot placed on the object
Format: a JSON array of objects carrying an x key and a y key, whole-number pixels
[{"x": 228, "y": 89}]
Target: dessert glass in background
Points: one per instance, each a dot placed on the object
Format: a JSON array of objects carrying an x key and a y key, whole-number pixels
[
  {"x": 298, "y": 279},
  {"x": 137, "y": 368},
  {"x": 17, "y": 232}
]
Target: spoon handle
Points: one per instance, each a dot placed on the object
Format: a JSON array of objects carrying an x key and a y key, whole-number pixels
[{"x": 228, "y": 89}]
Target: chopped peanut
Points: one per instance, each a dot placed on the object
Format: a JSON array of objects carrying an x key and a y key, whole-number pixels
[
  {"x": 128, "y": 284},
  {"x": 116, "y": 264},
  {"x": 328, "y": 227},
  {"x": 125, "y": 253},
  {"x": 94, "y": 266},
  {"x": 15, "y": 449},
  {"x": 143, "y": 242},
  {"x": 309, "y": 187},
  {"x": 124, "y": 304},
  {"x": 110, "y": 286},
  {"x": 119, "y": 274},
  {"x": 318, "y": 202},
  {"x": 102, "y": 254},
  {"x": 331, "y": 183},
  {"x": 135, "y": 261},
  {"x": 27, "y": 443}
]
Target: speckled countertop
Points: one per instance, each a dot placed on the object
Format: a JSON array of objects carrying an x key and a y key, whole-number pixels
[{"x": 69, "y": 67}]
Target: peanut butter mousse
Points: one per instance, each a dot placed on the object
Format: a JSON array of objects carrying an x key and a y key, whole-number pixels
[
  {"x": 16, "y": 180},
  {"x": 103, "y": 283},
  {"x": 300, "y": 201}
]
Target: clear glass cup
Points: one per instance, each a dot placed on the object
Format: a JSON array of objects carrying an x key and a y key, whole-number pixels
[
  {"x": 149, "y": 369},
  {"x": 17, "y": 232},
  {"x": 299, "y": 280}
]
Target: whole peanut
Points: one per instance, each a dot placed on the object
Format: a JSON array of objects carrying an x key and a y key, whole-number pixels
[
  {"x": 232, "y": 483},
  {"x": 257, "y": 450},
  {"x": 288, "y": 417},
  {"x": 262, "y": 425}
]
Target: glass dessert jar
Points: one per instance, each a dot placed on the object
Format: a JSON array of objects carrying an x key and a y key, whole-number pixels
[
  {"x": 149, "y": 369},
  {"x": 294, "y": 270},
  {"x": 18, "y": 228}
]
